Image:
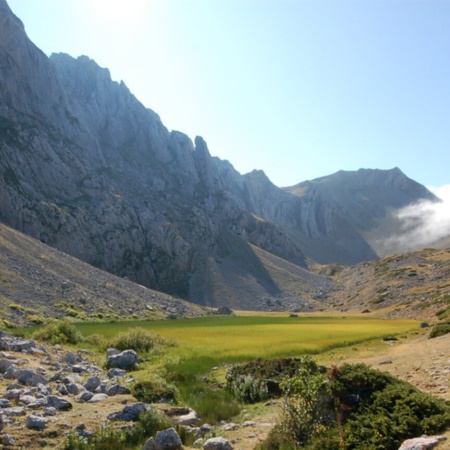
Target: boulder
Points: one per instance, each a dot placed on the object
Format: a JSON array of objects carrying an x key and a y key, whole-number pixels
[
  {"x": 4, "y": 365},
  {"x": 84, "y": 396},
  {"x": 117, "y": 389},
  {"x": 188, "y": 419},
  {"x": 30, "y": 378},
  {"x": 168, "y": 440},
  {"x": 71, "y": 358},
  {"x": 97, "y": 398},
  {"x": 218, "y": 443},
  {"x": 59, "y": 403},
  {"x": 92, "y": 384},
  {"x": 124, "y": 360},
  {"x": 36, "y": 422},
  {"x": 116, "y": 373},
  {"x": 224, "y": 311},
  {"x": 422, "y": 443},
  {"x": 129, "y": 413},
  {"x": 150, "y": 444},
  {"x": 11, "y": 373}
]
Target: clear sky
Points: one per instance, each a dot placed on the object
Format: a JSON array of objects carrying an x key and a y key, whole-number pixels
[{"x": 297, "y": 88}]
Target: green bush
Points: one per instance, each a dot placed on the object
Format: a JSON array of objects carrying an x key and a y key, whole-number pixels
[
  {"x": 260, "y": 379},
  {"x": 62, "y": 332},
  {"x": 439, "y": 329},
  {"x": 140, "y": 339},
  {"x": 155, "y": 390},
  {"x": 355, "y": 408}
]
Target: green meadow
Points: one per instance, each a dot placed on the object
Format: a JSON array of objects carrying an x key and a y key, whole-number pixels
[
  {"x": 217, "y": 339},
  {"x": 193, "y": 347}
]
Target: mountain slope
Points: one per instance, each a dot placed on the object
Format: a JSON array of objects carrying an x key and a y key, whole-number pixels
[
  {"x": 38, "y": 282},
  {"x": 414, "y": 285}
]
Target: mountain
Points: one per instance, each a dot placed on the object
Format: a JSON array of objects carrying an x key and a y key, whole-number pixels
[{"x": 87, "y": 169}]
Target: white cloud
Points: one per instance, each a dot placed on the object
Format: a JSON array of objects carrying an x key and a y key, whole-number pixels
[{"x": 423, "y": 223}]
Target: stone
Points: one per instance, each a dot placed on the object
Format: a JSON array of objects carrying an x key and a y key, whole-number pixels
[
  {"x": 92, "y": 384},
  {"x": 117, "y": 389},
  {"x": 124, "y": 360},
  {"x": 36, "y": 422},
  {"x": 116, "y": 373},
  {"x": 74, "y": 389},
  {"x": 11, "y": 373},
  {"x": 50, "y": 411},
  {"x": 30, "y": 378},
  {"x": 15, "y": 411},
  {"x": 111, "y": 352},
  {"x": 59, "y": 403},
  {"x": 8, "y": 441},
  {"x": 27, "y": 399},
  {"x": 188, "y": 419},
  {"x": 97, "y": 398},
  {"x": 224, "y": 311},
  {"x": 168, "y": 440},
  {"x": 71, "y": 358},
  {"x": 422, "y": 443},
  {"x": 4, "y": 403},
  {"x": 84, "y": 396},
  {"x": 129, "y": 413},
  {"x": 150, "y": 444},
  {"x": 217, "y": 443},
  {"x": 4, "y": 365}
]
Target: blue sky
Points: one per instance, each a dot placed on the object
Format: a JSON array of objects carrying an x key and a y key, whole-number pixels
[{"x": 299, "y": 89}]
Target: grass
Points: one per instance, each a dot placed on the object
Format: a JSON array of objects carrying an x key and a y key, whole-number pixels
[
  {"x": 213, "y": 341},
  {"x": 208, "y": 342}
]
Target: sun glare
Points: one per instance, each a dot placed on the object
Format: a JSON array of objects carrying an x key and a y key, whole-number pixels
[{"x": 118, "y": 11}]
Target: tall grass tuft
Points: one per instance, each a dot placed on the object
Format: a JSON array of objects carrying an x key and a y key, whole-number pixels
[
  {"x": 62, "y": 332},
  {"x": 140, "y": 339}
]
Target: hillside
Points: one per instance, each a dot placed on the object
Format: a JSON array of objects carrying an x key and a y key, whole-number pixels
[
  {"x": 414, "y": 285},
  {"x": 38, "y": 283}
]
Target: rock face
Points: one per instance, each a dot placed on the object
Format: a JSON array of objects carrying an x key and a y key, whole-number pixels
[{"x": 86, "y": 168}]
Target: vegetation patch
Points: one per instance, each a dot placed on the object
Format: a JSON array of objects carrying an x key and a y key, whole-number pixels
[
  {"x": 353, "y": 407},
  {"x": 440, "y": 329},
  {"x": 62, "y": 332},
  {"x": 140, "y": 339},
  {"x": 260, "y": 380}
]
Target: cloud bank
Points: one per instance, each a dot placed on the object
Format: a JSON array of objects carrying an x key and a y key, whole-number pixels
[{"x": 423, "y": 223}]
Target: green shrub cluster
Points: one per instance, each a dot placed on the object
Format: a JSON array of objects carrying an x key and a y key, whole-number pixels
[
  {"x": 353, "y": 408},
  {"x": 140, "y": 339},
  {"x": 156, "y": 389},
  {"x": 440, "y": 329},
  {"x": 260, "y": 380},
  {"x": 62, "y": 332}
]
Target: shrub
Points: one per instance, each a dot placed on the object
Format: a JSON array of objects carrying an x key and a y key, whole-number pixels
[
  {"x": 260, "y": 379},
  {"x": 140, "y": 339},
  {"x": 62, "y": 332},
  {"x": 440, "y": 329},
  {"x": 155, "y": 390},
  {"x": 354, "y": 407}
]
